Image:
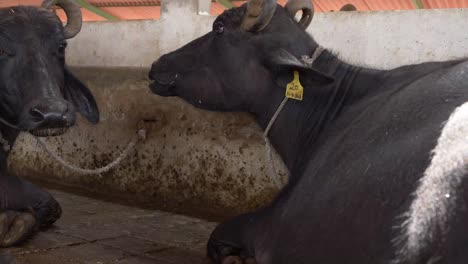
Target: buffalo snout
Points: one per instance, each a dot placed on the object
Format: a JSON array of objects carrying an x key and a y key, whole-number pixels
[
  {"x": 48, "y": 117},
  {"x": 163, "y": 78}
]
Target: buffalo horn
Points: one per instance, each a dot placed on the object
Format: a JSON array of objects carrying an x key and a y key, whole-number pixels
[
  {"x": 293, "y": 6},
  {"x": 258, "y": 15},
  {"x": 73, "y": 12}
]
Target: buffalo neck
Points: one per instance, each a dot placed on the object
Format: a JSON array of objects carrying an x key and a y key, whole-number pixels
[{"x": 296, "y": 130}]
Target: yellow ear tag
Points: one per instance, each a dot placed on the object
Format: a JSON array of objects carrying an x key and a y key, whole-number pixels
[{"x": 294, "y": 89}]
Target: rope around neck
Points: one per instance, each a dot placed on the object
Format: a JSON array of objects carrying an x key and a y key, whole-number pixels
[
  {"x": 5, "y": 144},
  {"x": 307, "y": 61},
  {"x": 269, "y": 154}
]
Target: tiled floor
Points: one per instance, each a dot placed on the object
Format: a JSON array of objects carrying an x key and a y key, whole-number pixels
[{"x": 92, "y": 231}]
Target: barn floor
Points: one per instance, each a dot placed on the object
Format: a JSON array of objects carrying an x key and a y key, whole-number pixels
[{"x": 92, "y": 231}]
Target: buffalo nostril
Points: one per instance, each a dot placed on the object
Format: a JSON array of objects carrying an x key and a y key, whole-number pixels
[
  {"x": 51, "y": 114},
  {"x": 37, "y": 115},
  {"x": 64, "y": 117}
]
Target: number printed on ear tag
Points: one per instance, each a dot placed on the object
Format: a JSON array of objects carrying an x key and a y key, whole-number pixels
[{"x": 294, "y": 89}]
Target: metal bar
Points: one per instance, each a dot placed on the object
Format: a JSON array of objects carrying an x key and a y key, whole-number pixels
[
  {"x": 96, "y": 10},
  {"x": 368, "y": 7},
  {"x": 226, "y": 3},
  {"x": 418, "y": 4}
]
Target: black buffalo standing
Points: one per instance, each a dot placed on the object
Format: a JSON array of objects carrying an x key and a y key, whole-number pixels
[
  {"x": 362, "y": 188},
  {"x": 40, "y": 95}
]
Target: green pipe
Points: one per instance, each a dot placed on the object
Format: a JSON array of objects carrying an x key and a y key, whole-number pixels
[
  {"x": 96, "y": 10},
  {"x": 418, "y": 4},
  {"x": 225, "y": 3}
]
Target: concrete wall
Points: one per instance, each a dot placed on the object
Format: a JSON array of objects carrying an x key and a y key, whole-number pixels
[
  {"x": 195, "y": 161},
  {"x": 138, "y": 43},
  {"x": 378, "y": 39},
  {"x": 393, "y": 38}
]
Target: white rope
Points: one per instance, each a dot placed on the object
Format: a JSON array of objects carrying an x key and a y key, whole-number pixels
[
  {"x": 271, "y": 164},
  {"x": 308, "y": 61},
  {"x": 275, "y": 115},
  {"x": 5, "y": 144},
  {"x": 269, "y": 154},
  {"x": 140, "y": 136}
]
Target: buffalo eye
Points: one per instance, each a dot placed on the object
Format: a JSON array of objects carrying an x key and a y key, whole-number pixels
[
  {"x": 219, "y": 28},
  {"x": 62, "y": 47},
  {"x": 3, "y": 52}
]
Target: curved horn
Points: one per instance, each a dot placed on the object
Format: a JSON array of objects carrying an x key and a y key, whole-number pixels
[
  {"x": 348, "y": 7},
  {"x": 293, "y": 6},
  {"x": 258, "y": 15},
  {"x": 73, "y": 12}
]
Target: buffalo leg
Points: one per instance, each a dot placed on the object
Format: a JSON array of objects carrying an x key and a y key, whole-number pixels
[{"x": 24, "y": 208}]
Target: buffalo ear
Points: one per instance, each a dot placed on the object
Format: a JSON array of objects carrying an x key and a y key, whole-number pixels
[
  {"x": 81, "y": 97},
  {"x": 284, "y": 64}
]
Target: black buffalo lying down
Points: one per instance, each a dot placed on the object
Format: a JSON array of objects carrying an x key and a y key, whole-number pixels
[
  {"x": 37, "y": 94},
  {"x": 378, "y": 159}
]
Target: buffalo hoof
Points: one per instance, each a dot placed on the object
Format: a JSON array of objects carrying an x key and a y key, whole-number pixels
[
  {"x": 232, "y": 260},
  {"x": 250, "y": 261},
  {"x": 49, "y": 213},
  {"x": 15, "y": 227},
  {"x": 224, "y": 253},
  {"x": 238, "y": 260}
]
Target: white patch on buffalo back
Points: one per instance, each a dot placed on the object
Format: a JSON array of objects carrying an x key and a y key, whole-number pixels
[{"x": 436, "y": 196}]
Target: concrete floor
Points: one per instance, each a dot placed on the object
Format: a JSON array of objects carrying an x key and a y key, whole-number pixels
[{"x": 92, "y": 231}]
